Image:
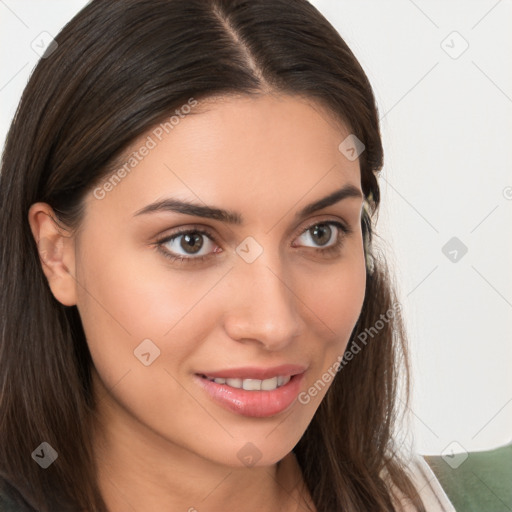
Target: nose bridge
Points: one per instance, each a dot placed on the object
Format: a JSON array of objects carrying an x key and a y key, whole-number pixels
[{"x": 263, "y": 306}]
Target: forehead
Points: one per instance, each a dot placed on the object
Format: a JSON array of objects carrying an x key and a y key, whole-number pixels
[{"x": 239, "y": 151}]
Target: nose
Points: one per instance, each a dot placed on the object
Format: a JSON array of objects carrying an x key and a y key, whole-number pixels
[{"x": 261, "y": 306}]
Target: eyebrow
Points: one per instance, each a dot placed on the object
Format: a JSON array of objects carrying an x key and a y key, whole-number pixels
[{"x": 231, "y": 217}]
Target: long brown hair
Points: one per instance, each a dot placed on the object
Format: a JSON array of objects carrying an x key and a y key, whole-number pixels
[{"x": 118, "y": 69}]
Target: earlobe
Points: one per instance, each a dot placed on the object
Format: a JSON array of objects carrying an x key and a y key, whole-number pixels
[{"x": 56, "y": 252}]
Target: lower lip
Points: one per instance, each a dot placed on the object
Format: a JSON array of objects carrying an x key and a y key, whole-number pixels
[{"x": 255, "y": 404}]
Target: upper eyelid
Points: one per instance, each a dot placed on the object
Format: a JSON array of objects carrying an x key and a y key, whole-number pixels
[
  {"x": 346, "y": 230},
  {"x": 208, "y": 232}
]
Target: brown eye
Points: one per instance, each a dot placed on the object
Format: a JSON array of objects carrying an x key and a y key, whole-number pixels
[
  {"x": 327, "y": 237},
  {"x": 322, "y": 233},
  {"x": 192, "y": 244}
]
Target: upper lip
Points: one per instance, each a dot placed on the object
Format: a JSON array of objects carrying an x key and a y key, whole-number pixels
[{"x": 253, "y": 372}]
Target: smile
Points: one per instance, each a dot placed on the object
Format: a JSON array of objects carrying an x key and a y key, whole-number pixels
[{"x": 252, "y": 391}]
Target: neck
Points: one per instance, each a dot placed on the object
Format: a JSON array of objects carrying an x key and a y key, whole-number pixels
[{"x": 139, "y": 470}]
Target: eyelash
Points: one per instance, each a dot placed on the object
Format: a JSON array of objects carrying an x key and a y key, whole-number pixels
[{"x": 343, "y": 231}]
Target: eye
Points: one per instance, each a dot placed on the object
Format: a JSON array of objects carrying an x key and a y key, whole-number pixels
[
  {"x": 323, "y": 232},
  {"x": 193, "y": 245},
  {"x": 193, "y": 242},
  {"x": 329, "y": 235}
]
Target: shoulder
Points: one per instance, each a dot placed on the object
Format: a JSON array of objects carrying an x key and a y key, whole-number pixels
[{"x": 427, "y": 486}]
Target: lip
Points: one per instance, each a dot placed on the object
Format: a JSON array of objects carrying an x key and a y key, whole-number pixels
[{"x": 255, "y": 404}]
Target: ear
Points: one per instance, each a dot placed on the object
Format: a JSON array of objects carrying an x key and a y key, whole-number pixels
[
  {"x": 56, "y": 249},
  {"x": 366, "y": 225}
]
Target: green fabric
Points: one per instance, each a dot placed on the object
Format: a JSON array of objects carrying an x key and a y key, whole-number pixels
[
  {"x": 482, "y": 483},
  {"x": 8, "y": 501}
]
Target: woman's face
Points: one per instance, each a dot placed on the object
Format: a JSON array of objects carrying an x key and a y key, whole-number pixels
[{"x": 263, "y": 296}]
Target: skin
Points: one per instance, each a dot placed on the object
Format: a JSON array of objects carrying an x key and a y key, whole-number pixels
[{"x": 160, "y": 440}]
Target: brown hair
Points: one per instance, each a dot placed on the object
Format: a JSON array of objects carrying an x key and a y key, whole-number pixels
[{"x": 118, "y": 69}]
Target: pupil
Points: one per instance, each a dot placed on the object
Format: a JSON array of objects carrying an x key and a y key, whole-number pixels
[
  {"x": 188, "y": 242},
  {"x": 323, "y": 231}
]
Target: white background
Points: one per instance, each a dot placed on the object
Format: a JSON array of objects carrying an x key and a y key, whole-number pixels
[{"x": 447, "y": 127}]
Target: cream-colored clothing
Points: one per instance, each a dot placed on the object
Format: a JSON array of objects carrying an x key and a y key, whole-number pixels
[{"x": 432, "y": 494}]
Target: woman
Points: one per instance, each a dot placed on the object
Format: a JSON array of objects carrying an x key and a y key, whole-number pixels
[{"x": 193, "y": 315}]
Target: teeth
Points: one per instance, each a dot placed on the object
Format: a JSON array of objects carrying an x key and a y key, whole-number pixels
[
  {"x": 269, "y": 384},
  {"x": 251, "y": 384},
  {"x": 254, "y": 384},
  {"x": 234, "y": 383}
]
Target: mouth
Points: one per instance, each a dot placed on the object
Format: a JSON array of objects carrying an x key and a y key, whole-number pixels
[{"x": 253, "y": 392}]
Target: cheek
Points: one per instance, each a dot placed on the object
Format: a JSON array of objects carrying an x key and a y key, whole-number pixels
[
  {"x": 136, "y": 296},
  {"x": 134, "y": 293},
  {"x": 336, "y": 299},
  {"x": 129, "y": 299},
  {"x": 336, "y": 296}
]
